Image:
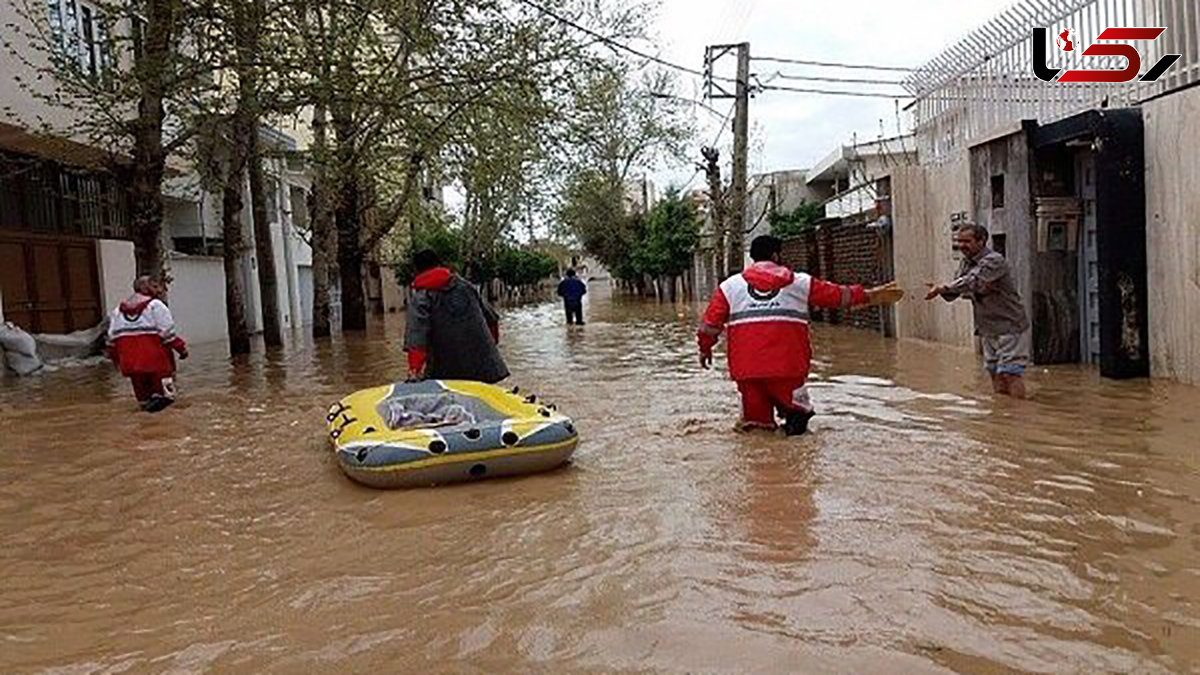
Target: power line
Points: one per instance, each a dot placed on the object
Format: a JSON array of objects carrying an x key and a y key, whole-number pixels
[
  {"x": 818, "y": 78},
  {"x": 617, "y": 45},
  {"x": 831, "y": 64},
  {"x": 832, "y": 92},
  {"x": 724, "y": 126}
]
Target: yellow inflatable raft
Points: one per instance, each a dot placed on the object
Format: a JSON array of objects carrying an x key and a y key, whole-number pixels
[{"x": 433, "y": 432}]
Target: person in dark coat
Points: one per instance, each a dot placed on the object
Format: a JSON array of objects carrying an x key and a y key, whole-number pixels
[
  {"x": 572, "y": 289},
  {"x": 452, "y": 331}
]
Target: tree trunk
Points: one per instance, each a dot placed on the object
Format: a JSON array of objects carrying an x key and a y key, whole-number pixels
[
  {"x": 264, "y": 247},
  {"x": 148, "y": 153},
  {"x": 146, "y": 202},
  {"x": 351, "y": 257},
  {"x": 235, "y": 307},
  {"x": 232, "y": 203},
  {"x": 349, "y": 214},
  {"x": 324, "y": 241},
  {"x": 716, "y": 196}
]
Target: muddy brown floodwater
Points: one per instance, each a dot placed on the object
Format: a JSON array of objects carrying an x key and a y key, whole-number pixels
[{"x": 923, "y": 526}]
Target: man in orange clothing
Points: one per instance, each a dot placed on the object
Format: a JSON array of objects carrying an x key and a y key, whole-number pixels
[
  {"x": 766, "y": 311},
  {"x": 143, "y": 343}
]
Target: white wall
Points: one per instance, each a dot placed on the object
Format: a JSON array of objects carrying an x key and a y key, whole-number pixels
[
  {"x": 118, "y": 268},
  {"x": 19, "y": 106},
  {"x": 1173, "y": 234},
  {"x": 924, "y": 197},
  {"x": 197, "y": 298}
]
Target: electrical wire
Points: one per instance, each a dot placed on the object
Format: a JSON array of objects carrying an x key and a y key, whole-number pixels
[
  {"x": 717, "y": 139},
  {"x": 833, "y": 92},
  {"x": 818, "y": 78},
  {"x": 832, "y": 64}
]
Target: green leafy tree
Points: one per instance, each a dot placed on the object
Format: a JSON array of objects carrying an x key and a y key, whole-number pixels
[
  {"x": 671, "y": 236},
  {"x": 798, "y": 221}
]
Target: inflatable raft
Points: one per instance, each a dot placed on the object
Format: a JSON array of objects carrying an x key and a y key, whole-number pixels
[{"x": 434, "y": 432}]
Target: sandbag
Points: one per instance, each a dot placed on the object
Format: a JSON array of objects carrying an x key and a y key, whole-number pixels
[
  {"x": 78, "y": 345},
  {"x": 20, "y": 350}
]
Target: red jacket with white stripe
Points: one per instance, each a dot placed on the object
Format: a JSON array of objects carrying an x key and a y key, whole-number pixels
[
  {"x": 141, "y": 336},
  {"x": 766, "y": 311}
]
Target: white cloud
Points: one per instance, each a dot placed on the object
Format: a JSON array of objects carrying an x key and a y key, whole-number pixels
[{"x": 796, "y": 130}]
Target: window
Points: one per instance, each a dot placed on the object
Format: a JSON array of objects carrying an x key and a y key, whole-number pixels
[
  {"x": 997, "y": 192},
  {"x": 82, "y": 34},
  {"x": 1000, "y": 244},
  {"x": 42, "y": 196}
]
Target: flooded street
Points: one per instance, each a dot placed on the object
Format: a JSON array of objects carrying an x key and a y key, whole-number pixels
[{"x": 923, "y": 526}]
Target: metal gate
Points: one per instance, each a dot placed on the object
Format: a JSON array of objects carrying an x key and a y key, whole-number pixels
[
  {"x": 50, "y": 284},
  {"x": 1089, "y": 265}
]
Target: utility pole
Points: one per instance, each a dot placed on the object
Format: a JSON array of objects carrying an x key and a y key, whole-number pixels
[
  {"x": 735, "y": 215},
  {"x": 741, "y": 131}
]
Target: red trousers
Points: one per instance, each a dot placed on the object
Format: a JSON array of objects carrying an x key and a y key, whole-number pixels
[
  {"x": 145, "y": 386},
  {"x": 761, "y": 398}
]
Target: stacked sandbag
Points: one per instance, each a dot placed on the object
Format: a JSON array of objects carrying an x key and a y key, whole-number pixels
[
  {"x": 81, "y": 344},
  {"x": 20, "y": 350}
]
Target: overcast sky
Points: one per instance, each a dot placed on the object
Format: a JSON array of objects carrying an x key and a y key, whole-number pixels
[{"x": 794, "y": 130}]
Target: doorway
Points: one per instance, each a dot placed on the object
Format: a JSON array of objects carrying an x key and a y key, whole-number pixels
[{"x": 50, "y": 283}]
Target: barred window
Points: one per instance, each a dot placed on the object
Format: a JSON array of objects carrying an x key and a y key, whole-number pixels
[{"x": 39, "y": 195}]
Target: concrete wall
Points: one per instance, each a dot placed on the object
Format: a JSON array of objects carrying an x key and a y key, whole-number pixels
[
  {"x": 1007, "y": 157},
  {"x": 117, "y": 267},
  {"x": 924, "y": 198},
  {"x": 197, "y": 298},
  {"x": 1173, "y": 234}
]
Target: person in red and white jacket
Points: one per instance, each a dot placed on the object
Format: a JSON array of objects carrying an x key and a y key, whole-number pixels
[
  {"x": 143, "y": 343},
  {"x": 766, "y": 312}
]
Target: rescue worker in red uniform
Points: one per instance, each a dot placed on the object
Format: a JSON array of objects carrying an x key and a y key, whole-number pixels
[
  {"x": 766, "y": 311},
  {"x": 143, "y": 344}
]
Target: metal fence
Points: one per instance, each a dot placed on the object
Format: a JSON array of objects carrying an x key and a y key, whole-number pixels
[{"x": 985, "y": 84}]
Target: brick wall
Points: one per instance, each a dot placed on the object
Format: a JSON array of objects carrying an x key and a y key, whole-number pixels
[{"x": 844, "y": 253}]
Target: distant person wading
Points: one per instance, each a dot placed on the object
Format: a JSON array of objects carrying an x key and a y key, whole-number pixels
[{"x": 572, "y": 289}]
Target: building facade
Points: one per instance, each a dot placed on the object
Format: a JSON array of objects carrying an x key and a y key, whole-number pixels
[
  {"x": 1086, "y": 188},
  {"x": 66, "y": 247}
]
